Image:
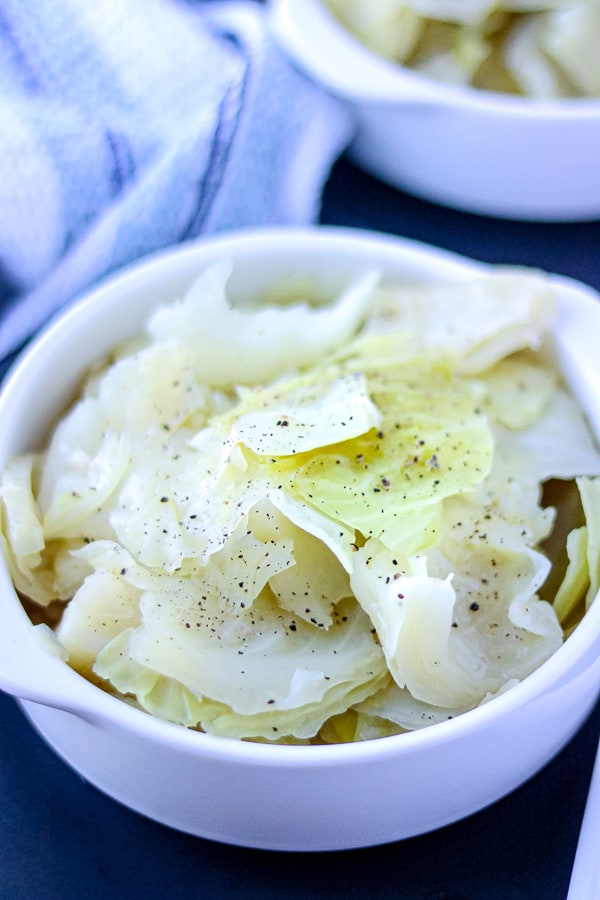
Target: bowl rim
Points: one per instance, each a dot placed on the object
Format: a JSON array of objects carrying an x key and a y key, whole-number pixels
[
  {"x": 92, "y": 701},
  {"x": 351, "y": 69}
]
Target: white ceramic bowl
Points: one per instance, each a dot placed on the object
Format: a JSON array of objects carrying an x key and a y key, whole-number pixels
[
  {"x": 284, "y": 797},
  {"x": 474, "y": 150}
]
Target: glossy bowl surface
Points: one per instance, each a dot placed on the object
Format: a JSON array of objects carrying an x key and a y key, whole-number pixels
[
  {"x": 483, "y": 152},
  {"x": 284, "y": 797}
]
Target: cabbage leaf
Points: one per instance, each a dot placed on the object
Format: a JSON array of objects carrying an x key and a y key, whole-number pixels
[
  {"x": 336, "y": 537},
  {"x": 250, "y": 346}
]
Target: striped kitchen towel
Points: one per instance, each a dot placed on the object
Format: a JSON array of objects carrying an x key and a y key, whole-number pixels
[{"x": 130, "y": 125}]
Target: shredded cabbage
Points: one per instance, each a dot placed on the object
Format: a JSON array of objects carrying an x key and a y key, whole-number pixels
[
  {"x": 303, "y": 523},
  {"x": 538, "y": 48}
]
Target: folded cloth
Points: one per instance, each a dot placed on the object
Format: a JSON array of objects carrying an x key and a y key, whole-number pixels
[{"x": 130, "y": 125}]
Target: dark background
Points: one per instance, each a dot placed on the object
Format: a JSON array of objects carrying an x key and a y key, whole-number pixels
[{"x": 61, "y": 838}]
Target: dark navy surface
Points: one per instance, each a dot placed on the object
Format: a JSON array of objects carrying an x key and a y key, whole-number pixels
[{"x": 61, "y": 838}]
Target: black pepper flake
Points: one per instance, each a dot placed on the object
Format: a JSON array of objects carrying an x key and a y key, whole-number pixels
[
  {"x": 164, "y": 499},
  {"x": 474, "y": 606},
  {"x": 434, "y": 462}
]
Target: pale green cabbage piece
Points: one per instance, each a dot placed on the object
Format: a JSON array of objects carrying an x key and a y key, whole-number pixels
[
  {"x": 393, "y": 710},
  {"x": 390, "y": 28},
  {"x": 300, "y": 416},
  {"x": 224, "y": 638},
  {"x": 40, "y": 569},
  {"x": 558, "y": 445},
  {"x": 576, "y": 582},
  {"x": 270, "y": 672},
  {"x": 461, "y": 11},
  {"x": 571, "y": 38},
  {"x": 528, "y": 61},
  {"x": 518, "y": 390},
  {"x": 104, "y": 606},
  {"x": 539, "y": 48},
  {"x": 23, "y": 526},
  {"x": 314, "y": 580},
  {"x": 87, "y": 487},
  {"x": 331, "y": 533},
  {"x": 249, "y": 346},
  {"x": 432, "y": 443},
  {"x": 397, "y": 705},
  {"x": 350, "y": 547},
  {"x": 168, "y": 394},
  {"x": 590, "y": 498},
  {"x": 478, "y": 322},
  {"x": 169, "y": 699},
  {"x": 28, "y": 577},
  {"x": 459, "y": 622}
]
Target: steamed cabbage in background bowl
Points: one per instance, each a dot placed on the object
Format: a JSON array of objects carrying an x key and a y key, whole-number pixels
[
  {"x": 274, "y": 501},
  {"x": 491, "y": 108},
  {"x": 315, "y": 523},
  {"x": 547, "y": 48}
]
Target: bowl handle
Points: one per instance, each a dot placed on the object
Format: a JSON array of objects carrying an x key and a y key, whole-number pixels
[
  {"x": 344, "y": 65},
  {"x": 31, "y": 671}
]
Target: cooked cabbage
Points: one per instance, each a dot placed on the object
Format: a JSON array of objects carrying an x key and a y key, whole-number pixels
[
  {"x": 538, "y": 48},
  {"x": 302, "y": 523}
]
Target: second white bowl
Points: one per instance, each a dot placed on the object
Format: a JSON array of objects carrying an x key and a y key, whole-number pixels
[{"x": 478, "y": 151}]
